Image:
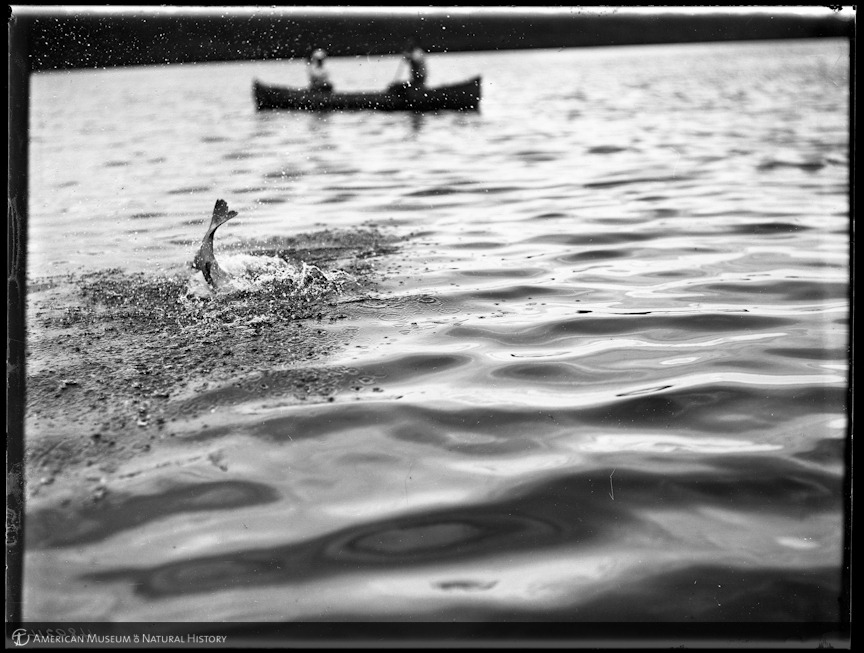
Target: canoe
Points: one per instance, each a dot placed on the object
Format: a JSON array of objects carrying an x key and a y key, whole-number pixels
[{"x": 464, "y": 96}]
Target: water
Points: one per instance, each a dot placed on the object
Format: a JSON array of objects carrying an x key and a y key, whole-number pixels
[{"x": 604, "y": 378}]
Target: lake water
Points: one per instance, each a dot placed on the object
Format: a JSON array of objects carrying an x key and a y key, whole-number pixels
[{"x": 603, "y": 378}]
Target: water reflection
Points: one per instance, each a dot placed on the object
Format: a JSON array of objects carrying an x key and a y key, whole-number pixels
[
  {"x": 417, "y": 122},
  {"x": 579, "y": 512},
  {"x": 115, "y": 513}
]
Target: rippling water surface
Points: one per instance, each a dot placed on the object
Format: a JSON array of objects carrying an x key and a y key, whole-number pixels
[{"x": 605, "y": 378}]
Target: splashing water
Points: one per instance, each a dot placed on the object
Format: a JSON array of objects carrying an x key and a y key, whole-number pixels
[{"x": 264, "y": 274}]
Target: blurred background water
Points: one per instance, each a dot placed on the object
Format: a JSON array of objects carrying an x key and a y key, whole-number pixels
[{"x": 610, "y": 371}]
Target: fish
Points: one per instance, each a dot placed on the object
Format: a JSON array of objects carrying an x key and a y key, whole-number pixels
[
  {"x": 205, "y": 260},
  {"x": 246, "y": 272}
]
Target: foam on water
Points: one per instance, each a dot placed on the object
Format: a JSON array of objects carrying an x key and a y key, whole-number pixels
[{"x": 260, "y": 273}]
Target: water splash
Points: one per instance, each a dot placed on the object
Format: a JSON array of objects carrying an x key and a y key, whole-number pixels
[{"x": 263, "y": 274}]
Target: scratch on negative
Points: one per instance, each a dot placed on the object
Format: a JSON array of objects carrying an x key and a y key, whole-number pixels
[{"x": 611, "y": 489}]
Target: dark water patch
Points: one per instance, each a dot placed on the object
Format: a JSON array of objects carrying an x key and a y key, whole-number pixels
[
  {"x": 151, "y": 214},
  {"x": 214, "y": 139},
  {"x": 411, "y": 366},
  {"x": 550, "y": 216},
  {"x": 607, "y": 149},
  {"x": 826, "y": 451},
  {"x": 540, "y": 373},
  {"x": 595, "y": 238},
  {"x": 536, "y": 156},
  {"x": 115, "y": 513},
  {"x": 272, "y": 200},
  {"x": 791, "y": 290},
  {"x": 716, "y": 408},
  {"x": 827, "y": 265},
  {"x": 754, "y": 364},
  {"x": 466, "y": 585},
  {"x": 715, "y": 593},
  {"x": 810, "y": 353},
  {"x": 687, "y": 408},
  {"x": 594, "y": 255},
  {"x": 435, "y": 192},
  {"x": 638, "y": 180},
  {"x": 687, "y": 323},
  {"x": 338, "y": 198},
  {"x": 116, "y": 164},
  {"x": 479, "y": 244},
  {"x": 762, "y": 485},
  {"x": 188, "y": 190},
  {"x": 238, "y": 156},
  {"x": 836, "y": 160},
  {"x": 672, "y": 274},
  {"x": 767, "y": 228},
  {"x": 807, "y": 166},
  {"x": 651, "y": 198},
  {"x": 437, "y": 536},
  {"x": 497, "y": 190},
  {"x": 659, "y": 325},
  {"x": 750, "y": 483},
  {"x": 459, "y": 189}
]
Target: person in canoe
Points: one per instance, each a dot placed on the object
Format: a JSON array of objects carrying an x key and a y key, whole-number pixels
[
  {"x": 415, "y": 57},
  {"x": 319, "y": 78}
]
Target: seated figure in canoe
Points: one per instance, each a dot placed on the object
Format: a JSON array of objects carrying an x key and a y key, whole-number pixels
[
  {"x": 416, "y": 59},
  {"x": 319, "y": 78}
]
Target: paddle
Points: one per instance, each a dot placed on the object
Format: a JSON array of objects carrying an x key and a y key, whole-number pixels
[
  {"x": 398, "y": 71},
  {"x": 396, "y": 76}
]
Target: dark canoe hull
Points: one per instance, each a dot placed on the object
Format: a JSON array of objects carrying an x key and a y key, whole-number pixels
[{"x": 456, "y": 97}]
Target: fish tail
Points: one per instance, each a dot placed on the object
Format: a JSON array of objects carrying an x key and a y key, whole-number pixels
[
  {"x": 205, "y": 260},
  {"x": 221, "y": 215}
]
